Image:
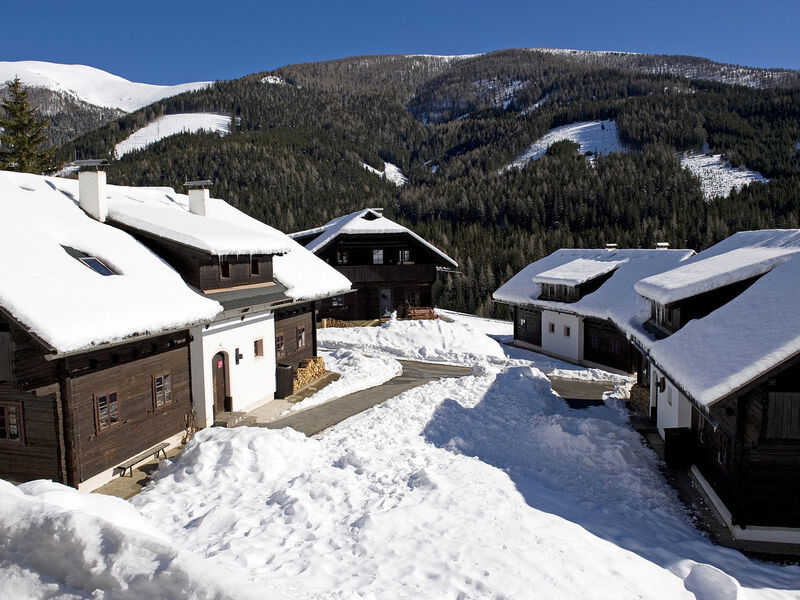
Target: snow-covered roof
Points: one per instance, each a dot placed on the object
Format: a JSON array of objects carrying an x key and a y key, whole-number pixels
[
  {"x": 615, "y": 299},
  {"x": 63, "y": 302},
  {"x": 711, "y": 273},
  {"x": 227, "y": 230},
  {"x": 366, "y": 221},
  {"x": 747, "y": 337},
  {"x": 577, "y": 271}
]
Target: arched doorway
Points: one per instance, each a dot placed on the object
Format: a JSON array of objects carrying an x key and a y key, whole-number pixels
[{"x": 219, "y": 370}]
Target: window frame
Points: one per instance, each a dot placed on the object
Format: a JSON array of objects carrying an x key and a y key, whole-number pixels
[
  {"x": 404, "y": 256},
  {"x": 17, "y": 406},
  {"x": 258, "y": 348},
  {"x": 301, "y": 337},
  {"x": 337, "y": 301},
  {"x": 255, "y": 267},
  {"x": 99, "y": 428},
  {"x": 551, "y": 327},
  {"x": 377, "y": 256},
  {"x": 166, "y": 378},
  {"x": 224, "y": 269},
  {"x": 567, "y": 330},
  {"x": 280, "y": 343},
  {"x": 342, "y": 257}
]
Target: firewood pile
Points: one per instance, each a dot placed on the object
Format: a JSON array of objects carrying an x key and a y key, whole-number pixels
[
  {"x": 309, "y": 371},
  {"x": 640, "y": 399},
  {"x": 331, "y": 322}
]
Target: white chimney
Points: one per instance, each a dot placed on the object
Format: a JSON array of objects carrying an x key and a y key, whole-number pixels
[
  {"x": 199, "y": 197},
  {"x": 92, "y": 194},
  {"x": 662, "y": 245}
]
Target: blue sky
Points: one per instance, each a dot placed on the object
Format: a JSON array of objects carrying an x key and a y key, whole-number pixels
[{"x": 174, "y": 41}]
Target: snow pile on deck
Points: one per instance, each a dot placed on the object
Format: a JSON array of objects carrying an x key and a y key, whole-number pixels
[
  {"x": 593, "y": 137},
  {"x": 357, "y": 372},
  {"x": 92, "y": 85},
  {"x": 66, "y": 303},
  {"x": 483, "y": 486},
  {"x": 430, "y": 341},
  {"x": 578, "y": 271},
  {"x": 170, "y": 125},
  {"x": 362, "y": 222},
  {"x": 390, "y": 172},
  {"x": 717, "y": 177},
  {"x": 616, "y": 299},
  {"x": 60, "y": 543}
]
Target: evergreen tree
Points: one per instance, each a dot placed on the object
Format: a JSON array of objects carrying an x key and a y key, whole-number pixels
[{"x": 22, "y": 137}]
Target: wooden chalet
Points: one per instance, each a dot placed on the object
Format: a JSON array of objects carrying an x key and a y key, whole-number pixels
[
  {"x": 723, "y": 343},
  {"x": 390, "y": 267},
  {"x": 94, "y": 340},
  {"x": 576, "y": 304}
]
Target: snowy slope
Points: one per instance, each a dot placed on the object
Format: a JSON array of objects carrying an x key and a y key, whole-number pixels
[
  {"x": 92, "y": 85},
  {"x": 169, "y": 125},
  {"x": 717, "y": 176},
  {"x": 390, "y": 172}
]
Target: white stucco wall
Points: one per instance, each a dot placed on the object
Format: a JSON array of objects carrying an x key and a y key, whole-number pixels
[
  {"x": 569, "y": 347},
  {"x": 251, "y": 382},
  {"x": 672, "y": 408}
]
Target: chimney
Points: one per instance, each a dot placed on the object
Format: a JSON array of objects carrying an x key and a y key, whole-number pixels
[
  {"x": 611, "y": 246},
  {"x": 92, "y": 195},
  {"x": 199, "y": 197},
  {"x": 662, "y": 245}
]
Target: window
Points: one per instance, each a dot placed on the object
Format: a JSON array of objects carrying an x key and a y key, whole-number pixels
[
  {"x": 255, "y": 267},
  {"x": 162, "y": 390},
  {"x": 337, "y": 301},
  {"x": 11, "y": 422},
  {"x": 280, "y": 345},
  {"x": 258, "y": 347},
  {"x": 106, "y": 410},
  {"x": 404, "y": 256},
  {"x": 723, "y": 449},
  {"x": 224, "y": 269},
  {"x": 377, "y": 256},
  {"x": 301, "y": 337},
  {"x": 341, "y": 257},
  {"x": 551, "y": 327},
  {"x": 566, "y": 331},
  {"x": 96, "y": 265}
]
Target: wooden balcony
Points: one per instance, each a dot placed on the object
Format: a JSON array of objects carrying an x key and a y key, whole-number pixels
[{"x": 378, "y": 273}]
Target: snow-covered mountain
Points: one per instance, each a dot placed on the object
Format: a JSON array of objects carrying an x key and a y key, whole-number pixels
[{"x": 91, "y": 85}]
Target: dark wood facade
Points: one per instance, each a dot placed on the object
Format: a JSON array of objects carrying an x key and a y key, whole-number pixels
[
  {"x": 528, "y": 325},
  {"x": 605, "y": 344},
  {"x": 68, "y": 428},
  {"x": 295, "y": 334},
  {"x": 389, "y": 271},
  {"x": 206, "y": 271},
  {"x": 748, "y": 449}
]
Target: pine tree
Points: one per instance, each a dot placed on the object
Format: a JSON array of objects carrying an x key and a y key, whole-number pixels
[{"x": 22, "y": 137}]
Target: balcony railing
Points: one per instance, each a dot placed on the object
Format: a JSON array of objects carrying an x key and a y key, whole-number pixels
[{"x": 359, "y": 273}]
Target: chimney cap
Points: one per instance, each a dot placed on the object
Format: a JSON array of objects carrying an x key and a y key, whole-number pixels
[
  {"x": 611, "y": 246},
  {"x": 200, "y": 184},
  {"x": 91, "y": 164},
  {"x": 662, "y": 244}
]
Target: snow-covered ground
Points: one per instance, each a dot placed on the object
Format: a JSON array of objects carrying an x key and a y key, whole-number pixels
[
  {"x": 717, "y": 176},
  {"x": 357, "y": 372},
  {"x": 390, "y": 172},
  {"x": 485, "y": 486},
  {"x": 595, "y": 137},
  {"x": 92, "y": 85},
  {"x": 169, "y": 125}
]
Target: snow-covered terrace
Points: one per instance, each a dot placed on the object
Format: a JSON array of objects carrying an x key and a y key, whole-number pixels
[
  {"x": 712, "y": 357},
  {"x": 615, "y": 299},
  {"x": 66, "y": 304},
  {"x": 362, "y": 222}
]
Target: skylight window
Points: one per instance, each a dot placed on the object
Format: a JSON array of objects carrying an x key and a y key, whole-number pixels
[{"x": 96, "y": 265}]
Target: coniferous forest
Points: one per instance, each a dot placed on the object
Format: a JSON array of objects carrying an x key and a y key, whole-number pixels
[{"x": 294, "y": 155}]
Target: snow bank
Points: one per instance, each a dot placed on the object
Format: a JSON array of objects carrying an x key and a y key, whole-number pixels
[
  {"x": 593, "y": 137},
  {"x": 66, "y": 303},
  {"x": 92, "y": 85},
  {"x": 358, "y": 372},
  {"x": 170, "y": 125},
  {"x": 578, "y": 271},
  {"x": 717, "y": 177},
  {"x": 430, "y": 341},
  {"x": 390, "y": 173},
  {"x": 60, "y": 543},
  {"x": 486, "y": 486}
]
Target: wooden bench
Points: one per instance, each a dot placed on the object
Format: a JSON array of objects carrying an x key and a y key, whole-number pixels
[{"x": 154, "y": 452}]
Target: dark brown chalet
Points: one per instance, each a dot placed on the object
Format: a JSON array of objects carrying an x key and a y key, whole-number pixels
[
  {"x": 724, "y": 350},
  {"x": 391, "y": 267},
  {"x": 94, "y": 338}
]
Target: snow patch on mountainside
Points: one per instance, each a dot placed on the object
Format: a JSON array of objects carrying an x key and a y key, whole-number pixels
[
  {"x": 593, "y": 137},
  {"x": 169, "y": 125},
  {"x": 273, "y": 80},
  {"x": 390, "y": 172},
  {"x": 502, "y": 93},
  {"x": 717, "y": 176},
  {"x": 92, "y": 85}
]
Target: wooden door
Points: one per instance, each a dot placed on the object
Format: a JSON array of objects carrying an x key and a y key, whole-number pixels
[
  {"x": 219, "y": 369},
  {"x": 386, "y": 305}
]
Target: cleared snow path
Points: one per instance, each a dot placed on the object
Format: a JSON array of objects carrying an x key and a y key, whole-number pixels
[{"x": 170, "y": 125}]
